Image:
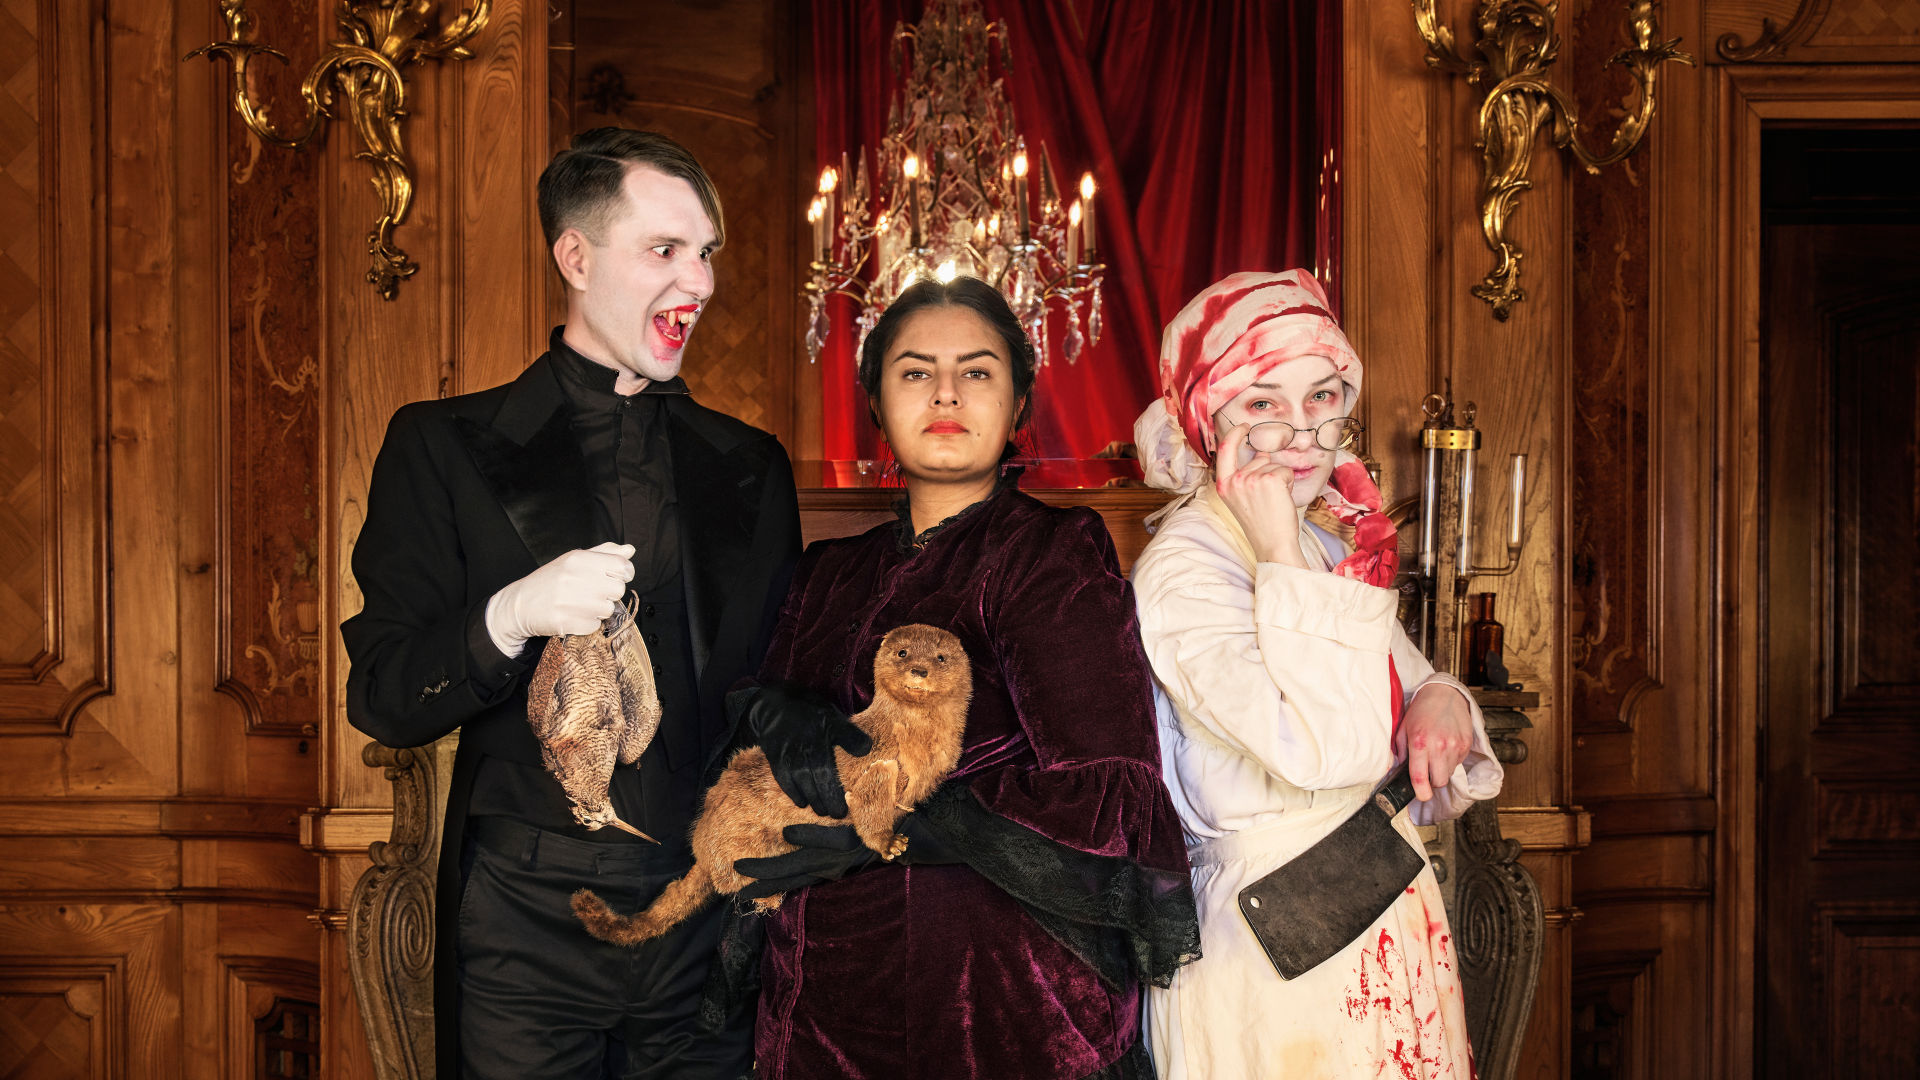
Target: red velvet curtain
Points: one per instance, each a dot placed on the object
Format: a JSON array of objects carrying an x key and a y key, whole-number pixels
[{"x": 1209, "y": 128}]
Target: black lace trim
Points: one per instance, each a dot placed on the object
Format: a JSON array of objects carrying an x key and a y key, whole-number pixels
[
  {"x": 733, "y": 975},
  {"x": 1127, "y": 921},
  {"x": 903, "y": 509}
]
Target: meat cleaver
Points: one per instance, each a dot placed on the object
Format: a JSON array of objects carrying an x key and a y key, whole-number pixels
[{"x": 1328, "y": 895}]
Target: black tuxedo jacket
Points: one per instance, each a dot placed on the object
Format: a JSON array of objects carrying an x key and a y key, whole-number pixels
[{"x": 473, "y": 492}]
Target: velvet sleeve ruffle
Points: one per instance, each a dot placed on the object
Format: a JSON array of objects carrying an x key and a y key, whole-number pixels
[
  {"x": 1067, "y": 640},
  {"x": 1112, "y": 877}
]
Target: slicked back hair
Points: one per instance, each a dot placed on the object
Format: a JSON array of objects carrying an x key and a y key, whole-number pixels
[{"x": 580, "y": 187}]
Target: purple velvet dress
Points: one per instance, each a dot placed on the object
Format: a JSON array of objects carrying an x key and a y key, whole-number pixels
[{"x": 1026, "y": 961}]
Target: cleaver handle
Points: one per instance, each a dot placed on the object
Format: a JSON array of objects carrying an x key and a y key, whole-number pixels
[{"x": 1394, "y": 795}]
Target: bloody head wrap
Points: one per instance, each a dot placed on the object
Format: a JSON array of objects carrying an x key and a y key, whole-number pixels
[{"x": 1228, "y": 338}]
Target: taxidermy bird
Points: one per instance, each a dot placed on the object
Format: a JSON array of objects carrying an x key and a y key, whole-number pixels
[
  {"x": 922, "y": 684},
  {"x": 593, "y": 705}
]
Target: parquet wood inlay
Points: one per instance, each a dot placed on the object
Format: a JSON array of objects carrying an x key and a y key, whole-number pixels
[
  {"x": 52, "y": 567},
  {"x": 23, "y": 519},
  {"x": 270, "y": 569}
]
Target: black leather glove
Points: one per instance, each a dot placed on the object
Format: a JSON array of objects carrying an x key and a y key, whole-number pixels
[
  {"x": 798, "y": 730},
  {"x": 827, "y": 853},
  {"x": 831, "y": 852}
]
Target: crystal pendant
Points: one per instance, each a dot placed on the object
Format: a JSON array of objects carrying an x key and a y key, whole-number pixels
[
  {"x": 818, "y": 327},
  {"x": 1020, "y": 291},
  {"x": 1071, "y": 345},
  {"x": 1037, "y": 333},
  {"x": 1094, "y": 320}
]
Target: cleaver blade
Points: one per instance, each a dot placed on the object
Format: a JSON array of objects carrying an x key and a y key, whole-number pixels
[{"x": 1328, "y": 895}]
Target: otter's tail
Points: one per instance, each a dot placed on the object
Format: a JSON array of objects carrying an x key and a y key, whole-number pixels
[{"x": 681, "y": 898}]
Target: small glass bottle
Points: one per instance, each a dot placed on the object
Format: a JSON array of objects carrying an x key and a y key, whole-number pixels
[{"x": 1484, "y": 635}]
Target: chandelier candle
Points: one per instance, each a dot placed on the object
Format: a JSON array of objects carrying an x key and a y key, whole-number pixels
[
  {"x": 1086, "y": 199},
  {"x": 829, "y": 188},
  {"x": 910, "y": 168},
  {"x": 1020, "y": 188},
  {"x": 949, "y": 193}
]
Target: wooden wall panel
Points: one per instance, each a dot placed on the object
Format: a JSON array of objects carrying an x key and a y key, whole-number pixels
[
  {"x": 729, "y": 91},
  {"x": 1871, "y": 984},
  {"x": 1618, "y": 421},
  {"x": 53, "y": 482},
  {"x": 1638, "y": 620},
  {"x": 148, "y": 822},
  {"x": 62, "y": 1018},
  {"x": 91, "y": 991},
  {"x": 1390, "y": 196},
  {"x": 1661, "y": 556}
]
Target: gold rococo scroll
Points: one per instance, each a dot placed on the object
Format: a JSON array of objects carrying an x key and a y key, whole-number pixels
[
  {"x": 361, "y": 75},
  {"x": 1517, "y": 45}
]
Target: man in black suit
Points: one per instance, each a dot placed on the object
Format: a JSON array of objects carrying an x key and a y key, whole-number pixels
[{"x": 499, "y": 518}]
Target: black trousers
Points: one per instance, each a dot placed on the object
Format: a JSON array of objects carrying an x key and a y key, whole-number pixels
[{"x": 540, "y": 999}]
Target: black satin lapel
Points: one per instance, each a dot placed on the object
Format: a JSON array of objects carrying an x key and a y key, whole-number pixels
[
  {"x": 543, "y": 486},
  {"x": 719, "y": 501}
]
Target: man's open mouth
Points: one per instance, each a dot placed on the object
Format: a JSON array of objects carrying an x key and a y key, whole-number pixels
[{"x": 675, "y": 323}]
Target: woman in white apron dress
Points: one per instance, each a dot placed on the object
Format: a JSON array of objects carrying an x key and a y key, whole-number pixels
[{"x": 1287, "y": 692}]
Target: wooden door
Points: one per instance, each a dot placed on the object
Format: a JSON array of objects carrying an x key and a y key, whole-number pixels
[{"x": 1839, "y": 958}]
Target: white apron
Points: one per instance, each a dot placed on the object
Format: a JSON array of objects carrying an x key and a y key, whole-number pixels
[{"x": 1275, "y": 726}]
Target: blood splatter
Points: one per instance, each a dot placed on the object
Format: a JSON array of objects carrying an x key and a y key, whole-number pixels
[{"x": 1400, "y": 1059}]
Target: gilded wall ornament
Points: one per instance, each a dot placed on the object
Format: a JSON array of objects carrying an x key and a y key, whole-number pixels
[
  {"x": 362, "y": 77},
  {"x": 1517, "y": 45}
]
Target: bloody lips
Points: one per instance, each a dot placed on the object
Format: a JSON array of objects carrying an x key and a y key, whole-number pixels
[{"x": 674, "y": 324}]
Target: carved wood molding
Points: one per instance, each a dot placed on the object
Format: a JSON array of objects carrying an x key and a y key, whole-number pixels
[
  {"x": 1818, "y": 31},
  {"x": 54, "y": 615},
  {"x": 1611, "y": 995},
  {"x": 89, "y": 1008},
  {"x": 262, "y": 998},
  {"x": 390, "y": 922},
  {"x": 1772, "y": 39},
  {"x": 1499, "y": 935},
  {"x": 238, "y": 818}
]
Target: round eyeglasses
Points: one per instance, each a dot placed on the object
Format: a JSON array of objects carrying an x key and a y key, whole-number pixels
[{"x": 1276, "y": 435}]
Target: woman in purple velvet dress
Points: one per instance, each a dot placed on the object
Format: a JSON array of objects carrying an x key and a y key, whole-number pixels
[{"x": 1047, "y": 879}]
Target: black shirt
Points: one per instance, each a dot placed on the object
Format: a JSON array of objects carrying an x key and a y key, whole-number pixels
[{"x": 623, "y": 439}]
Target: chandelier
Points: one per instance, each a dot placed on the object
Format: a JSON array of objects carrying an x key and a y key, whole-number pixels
[{"x": 951, "y": 193}]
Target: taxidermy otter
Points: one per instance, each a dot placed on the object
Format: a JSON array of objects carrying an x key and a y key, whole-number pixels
[
  {"x": 592, "y": 704},
  {"x": 921, "y": 685}
]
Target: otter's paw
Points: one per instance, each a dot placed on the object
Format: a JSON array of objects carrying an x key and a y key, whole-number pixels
[
  {"x": 895, "y": 848},
  {"x": 767, "y": 904}
]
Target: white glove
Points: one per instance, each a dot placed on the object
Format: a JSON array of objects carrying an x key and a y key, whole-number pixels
[{"x": 570, "y": 595}]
